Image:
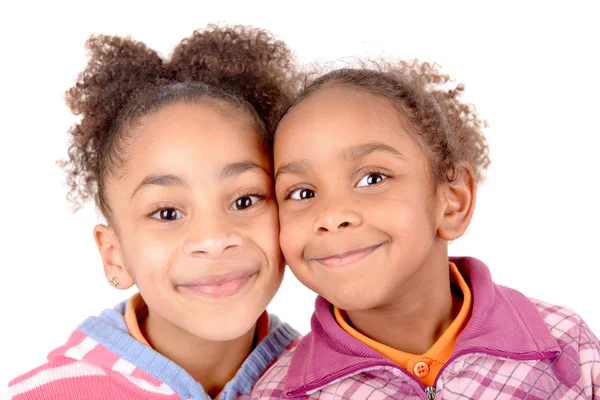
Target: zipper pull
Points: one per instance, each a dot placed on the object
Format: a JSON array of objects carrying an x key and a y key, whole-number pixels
[{"x": 430, "y": 393}]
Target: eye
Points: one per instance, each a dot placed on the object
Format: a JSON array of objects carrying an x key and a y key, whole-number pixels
[
  {"x": 245, "y": 202},
  {"x": 302, "y": 194},
  {"x": 370, "y": 179},
  {"x": 167, "y": 214}
]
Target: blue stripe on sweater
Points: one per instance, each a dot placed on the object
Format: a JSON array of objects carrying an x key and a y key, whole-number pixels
[{"x": 110, "y": 330}]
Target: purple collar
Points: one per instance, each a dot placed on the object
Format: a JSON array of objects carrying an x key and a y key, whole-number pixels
[{"x": 503, "y": 323}]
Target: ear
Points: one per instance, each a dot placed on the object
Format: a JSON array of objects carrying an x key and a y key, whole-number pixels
[
  {"x": 109, "y": 248},
  {"x": 460, "y": 203}
]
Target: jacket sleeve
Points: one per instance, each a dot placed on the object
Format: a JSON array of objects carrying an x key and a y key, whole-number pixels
[{"x": 589, "y": 360}]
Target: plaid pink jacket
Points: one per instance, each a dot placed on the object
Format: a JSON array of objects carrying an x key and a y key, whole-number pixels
[{"x": 511, "y": 348}]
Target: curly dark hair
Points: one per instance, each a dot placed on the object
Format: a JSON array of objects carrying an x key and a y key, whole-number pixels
[
  {"x": 450, "y": 130},
  {"x": 239, "y": 67}
]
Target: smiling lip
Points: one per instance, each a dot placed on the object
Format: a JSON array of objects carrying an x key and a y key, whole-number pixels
[
  {"x": 348, "y": 257},
  {"x": 219, "y": 285}
]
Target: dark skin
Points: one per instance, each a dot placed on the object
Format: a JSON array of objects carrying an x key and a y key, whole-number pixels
[{"x": 363, "y": 223}]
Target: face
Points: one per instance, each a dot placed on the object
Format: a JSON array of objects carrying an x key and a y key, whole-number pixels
[
  {"x": 195, "y": 219},
  {"x": 358, "y": 207}
]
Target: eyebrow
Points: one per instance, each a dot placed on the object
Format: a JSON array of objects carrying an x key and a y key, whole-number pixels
[
  {"x": 350, "y": 153},
  {"x": 293, "y": 167},
  {"x": 361, "y": 150},
  {"x": 170, "y": 180},
  {"x": 238, "y": 168}
]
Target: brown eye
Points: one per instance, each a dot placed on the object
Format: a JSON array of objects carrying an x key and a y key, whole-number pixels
[
  {"x": 167, "y": 214},
  {"x": 244, "y": 202},
  {"x": 371, "y": 179},
  {"x": 302, "y": 194}
]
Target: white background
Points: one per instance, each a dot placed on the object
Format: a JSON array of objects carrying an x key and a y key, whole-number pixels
[{"x": 532, "y": 70}]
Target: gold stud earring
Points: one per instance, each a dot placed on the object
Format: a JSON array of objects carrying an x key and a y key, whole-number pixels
[{"x": 114, "y": 281}]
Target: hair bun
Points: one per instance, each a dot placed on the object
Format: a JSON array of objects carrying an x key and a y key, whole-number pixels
[{"x": 243, "y": 61}]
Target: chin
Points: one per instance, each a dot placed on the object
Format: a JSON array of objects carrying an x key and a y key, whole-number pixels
[
  {"x": 352, "y": 300},
  {"x": 346, "y": 302},
  {"x": 225, "y": 330}
]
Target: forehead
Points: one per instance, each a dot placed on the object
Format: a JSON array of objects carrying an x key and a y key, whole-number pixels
[
  {"x": 193, "y": 135},
  {"x": 339, "y": 116},
  {"x": 337, "y": 98}
]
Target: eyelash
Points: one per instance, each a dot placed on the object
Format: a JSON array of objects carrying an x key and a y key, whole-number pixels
[
  {"x": 253, "y": 193},
  {"x": 375, "y": 171},
  {"x": 367, "y": 172},
  {"x": 161, "y": 207},
  {"x": 288, "y": 194}
]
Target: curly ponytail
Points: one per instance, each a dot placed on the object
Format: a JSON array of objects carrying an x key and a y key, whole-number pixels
[{"x": 124, "y": 80}]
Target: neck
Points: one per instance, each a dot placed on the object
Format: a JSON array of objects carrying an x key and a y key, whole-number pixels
[
  {"x": 414, "y": 320},
  {"x": 213, "y": 364}
]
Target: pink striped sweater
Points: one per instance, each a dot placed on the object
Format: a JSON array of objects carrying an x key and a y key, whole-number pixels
[{"x": 101, "y": 361}]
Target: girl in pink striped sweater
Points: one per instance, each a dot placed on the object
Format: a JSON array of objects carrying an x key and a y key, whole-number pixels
[{"x": 174, "y": 152}]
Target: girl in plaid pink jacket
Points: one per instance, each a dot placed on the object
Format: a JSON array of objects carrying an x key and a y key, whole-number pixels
[{"x": 366, "y": 216}]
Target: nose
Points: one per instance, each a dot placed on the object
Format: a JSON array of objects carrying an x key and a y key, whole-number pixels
[
  {"x": 336, "y": 217},
  {"x": 211, "y": 240}
]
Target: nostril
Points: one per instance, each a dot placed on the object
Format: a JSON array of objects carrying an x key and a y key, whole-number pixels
[{"x": 344, "y": 224}]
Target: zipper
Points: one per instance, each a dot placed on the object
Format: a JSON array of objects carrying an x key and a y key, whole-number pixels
[
  {"x": 430, "y": 393},
  {"x": 347, "y": 372},
  {"x": 521, "y": 357},
  {"x": 344, "y": 373}
]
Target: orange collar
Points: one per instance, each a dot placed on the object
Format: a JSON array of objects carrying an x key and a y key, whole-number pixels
[
  {"x": 425, "y": 366},
  {"x": 137, "y": 310}
]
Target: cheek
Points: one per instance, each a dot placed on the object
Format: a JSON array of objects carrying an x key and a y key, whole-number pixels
[
  {"x": 150, "y": 254},
  {"x": 292, "y": 235},
  {"x": 410, "y": 218},
  {"x": 157, "y": 253},
  {"x": 287, "y": 245},
  {"x": 265, "y": 232}
]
